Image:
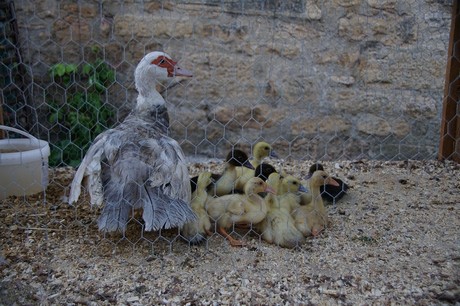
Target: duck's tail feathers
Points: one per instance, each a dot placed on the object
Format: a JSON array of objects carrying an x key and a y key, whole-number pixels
[
  {"x": 162, "y": 211},
  {"x": 119, "y": 205},
  {"x": 114, "y": 216}
]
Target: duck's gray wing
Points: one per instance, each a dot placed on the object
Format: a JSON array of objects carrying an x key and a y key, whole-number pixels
[
  {"x": 168, "y": 188},
  {"x": 90, "y": 168},
  {"x": 150, "y": 174}
]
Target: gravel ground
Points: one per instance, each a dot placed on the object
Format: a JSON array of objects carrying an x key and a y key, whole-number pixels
[{"x": 394, "y": 239}]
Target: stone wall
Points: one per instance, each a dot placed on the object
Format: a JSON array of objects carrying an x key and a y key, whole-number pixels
[{"x": 336, "y": 79}]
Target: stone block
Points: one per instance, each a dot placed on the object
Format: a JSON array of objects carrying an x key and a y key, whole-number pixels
[
  {"x": 382, "y": 4},
  {"x": 152, "y": 26},
  {"x": 313, "y": 12},
  {"x": 340, "y": 87},
  {"x": 319, "y": 125},
  {"x": 343, "y": 80},
  {"x": 347, "y": 3},
  {"x": 373, "y": 125},
  {"x": 400, "y": 127}
]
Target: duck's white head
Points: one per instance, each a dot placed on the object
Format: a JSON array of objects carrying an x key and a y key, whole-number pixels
[{"x": 156, "y": 66}]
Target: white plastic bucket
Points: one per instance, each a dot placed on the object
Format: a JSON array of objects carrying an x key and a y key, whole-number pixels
[{"x": 23, "y": 164}]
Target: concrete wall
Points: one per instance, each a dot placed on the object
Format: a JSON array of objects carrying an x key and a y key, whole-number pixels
[{"x": 336, "y": 79}]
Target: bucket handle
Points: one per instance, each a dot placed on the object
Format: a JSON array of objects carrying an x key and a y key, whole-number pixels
[{"x": 4, "y": 127}]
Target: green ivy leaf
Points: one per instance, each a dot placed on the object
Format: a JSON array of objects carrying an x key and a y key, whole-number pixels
[
  {"x": 83, "y": 111},
  {"x": 58, "y": 70},
  {"x": 53, "y": 118},
  {"x": 70, "y": 68},
  {"x": 87, "y": 69}
]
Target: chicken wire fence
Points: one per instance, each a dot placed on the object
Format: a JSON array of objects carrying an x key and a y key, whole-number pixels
[{"x": 335, "y": 81}]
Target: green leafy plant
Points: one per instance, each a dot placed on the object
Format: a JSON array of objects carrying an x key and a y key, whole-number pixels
[{"x": 81, "y": 113}]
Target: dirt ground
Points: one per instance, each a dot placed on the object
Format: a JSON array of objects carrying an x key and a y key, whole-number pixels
[{"x": 394, "y": 239}]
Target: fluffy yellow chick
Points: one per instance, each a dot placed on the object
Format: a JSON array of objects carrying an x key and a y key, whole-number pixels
[
  {"x": 261, "y": 150},
  {"x": 311, "y": 219},
  {"x": 278, "y": 227},
  {"x": 237, "y": 209},
  {"x": 195, "y": 231}
]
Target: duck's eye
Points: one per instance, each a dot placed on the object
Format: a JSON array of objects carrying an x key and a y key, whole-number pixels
[{"x": 160, "y": 61}]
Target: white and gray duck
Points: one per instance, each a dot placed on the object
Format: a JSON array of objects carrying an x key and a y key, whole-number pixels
[{"x": 136, "y": 165}]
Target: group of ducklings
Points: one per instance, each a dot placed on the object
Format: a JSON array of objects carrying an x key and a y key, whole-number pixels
[{"x": 283, "y": 209}]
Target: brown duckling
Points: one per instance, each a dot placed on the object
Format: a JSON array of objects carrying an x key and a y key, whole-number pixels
[
  {"x": 330, "y": 193},
  {"x": 264, "y": 170}
]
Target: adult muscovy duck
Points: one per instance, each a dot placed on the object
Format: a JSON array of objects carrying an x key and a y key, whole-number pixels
[{"x": 136, "y": 165}]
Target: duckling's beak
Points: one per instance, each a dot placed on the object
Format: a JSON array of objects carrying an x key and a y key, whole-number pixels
[
  {"x": 302, "y": 188},
  {"x": 331, "y": 181},
  {"x": 273, "y": 154},
  {"x": 247, "y": 164},
  {"x": 269, "y": 189}
]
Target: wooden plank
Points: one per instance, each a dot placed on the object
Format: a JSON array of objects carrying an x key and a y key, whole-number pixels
[
  {"x": 449, "y": 146},
  {"x": 2, "y": 135}
]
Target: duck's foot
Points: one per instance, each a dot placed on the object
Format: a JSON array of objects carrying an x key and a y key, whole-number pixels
[
  {"x": 316, "y": 231},
  {"x": 233, "y": 242},
  {"x": 237, "y": 243}
]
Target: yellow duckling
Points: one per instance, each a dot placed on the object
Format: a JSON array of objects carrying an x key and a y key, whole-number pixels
[
  {"x": 262, "y": 150},
  {"x": 311, "y": 218},
  {"x": 238, "y": 209},
  {"x": 226, "y": 183},
  {"x": 278, "y": 227},
  {"x": 290, "y": 192},
  {"x": 195, "y": 231}
]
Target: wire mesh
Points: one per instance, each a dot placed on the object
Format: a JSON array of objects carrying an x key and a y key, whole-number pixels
[{"x": 357, "y": 85}]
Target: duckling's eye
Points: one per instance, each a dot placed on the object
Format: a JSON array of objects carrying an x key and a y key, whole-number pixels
[{"x": 162, "y": 61}]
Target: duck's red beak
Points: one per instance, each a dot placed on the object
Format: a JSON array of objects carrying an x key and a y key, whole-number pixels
[{"x": 173, "y": 67}]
